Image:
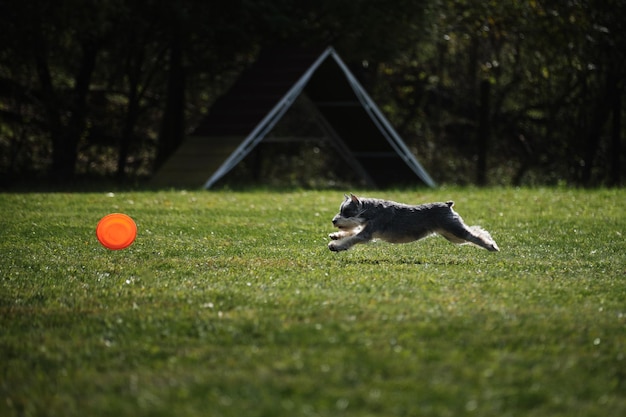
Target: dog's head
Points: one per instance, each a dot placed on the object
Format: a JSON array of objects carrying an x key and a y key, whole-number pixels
[{"x": 350, "y": 212}]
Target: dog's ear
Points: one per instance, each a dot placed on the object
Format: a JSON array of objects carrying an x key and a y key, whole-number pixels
[{"x": 355, "y": 199}]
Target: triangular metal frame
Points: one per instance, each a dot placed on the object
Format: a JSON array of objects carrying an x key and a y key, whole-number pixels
[{"x": 277, "y": 112}]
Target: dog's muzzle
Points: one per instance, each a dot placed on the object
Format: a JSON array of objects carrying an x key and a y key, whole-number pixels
[{"x": 343, "y": 223}]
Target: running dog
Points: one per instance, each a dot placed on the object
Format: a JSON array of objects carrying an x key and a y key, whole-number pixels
[{"x": 362, "y": 219}]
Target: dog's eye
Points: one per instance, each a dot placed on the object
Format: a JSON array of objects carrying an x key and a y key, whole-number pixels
[{"x": 348, "y": 212}]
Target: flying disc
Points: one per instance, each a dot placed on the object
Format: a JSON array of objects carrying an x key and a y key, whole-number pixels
[{"x": 116, "y": 231}]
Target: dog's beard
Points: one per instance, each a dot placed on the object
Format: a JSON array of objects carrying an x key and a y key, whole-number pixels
[{"x": 348, "y": 223}]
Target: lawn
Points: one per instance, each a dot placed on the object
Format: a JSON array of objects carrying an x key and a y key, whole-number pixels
[{"x": 230, "y": 304}]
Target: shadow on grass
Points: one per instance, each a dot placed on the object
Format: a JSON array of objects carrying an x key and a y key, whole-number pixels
[
  {"x": 397, "y": 260},
  {"x": 386, "y": 261}
]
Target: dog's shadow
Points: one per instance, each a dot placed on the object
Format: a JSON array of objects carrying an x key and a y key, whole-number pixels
[
  {"x": 403, "y": 260},
  {"x": 386, "y": 261}
]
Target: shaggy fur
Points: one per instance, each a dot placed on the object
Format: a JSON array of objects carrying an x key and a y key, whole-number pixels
[{"x": 362, "y": 219}]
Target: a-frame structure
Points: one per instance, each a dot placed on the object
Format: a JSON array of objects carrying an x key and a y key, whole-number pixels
[{"x": 337, "y": 102}]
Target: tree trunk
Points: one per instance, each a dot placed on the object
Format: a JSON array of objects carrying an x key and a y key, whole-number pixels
[
  {"x": 132, "y": 114},
  {"x": 133, "y": 72},
  {"x": 599, "y": 118},
  {"x": 483, "y": 133},
  {"x": 172, "y": 124},
  {"x": 616, "y": 140},
  {"x": 65, "y": 138},
  {"x": 49, "y": 99}
]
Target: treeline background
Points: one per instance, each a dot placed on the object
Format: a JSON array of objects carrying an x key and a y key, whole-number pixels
[{"x": 486, "y": 92}]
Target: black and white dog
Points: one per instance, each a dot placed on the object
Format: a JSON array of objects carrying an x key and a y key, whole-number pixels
[{"x": 362, "y": 219}]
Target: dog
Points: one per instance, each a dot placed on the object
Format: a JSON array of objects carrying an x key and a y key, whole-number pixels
[{"x": 362, "y": 219}]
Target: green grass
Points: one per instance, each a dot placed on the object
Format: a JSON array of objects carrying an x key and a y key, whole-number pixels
[{"x": 230, "y": 304}]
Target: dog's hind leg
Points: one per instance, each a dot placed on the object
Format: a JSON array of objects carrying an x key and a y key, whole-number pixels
[
  {"x": 459, "y": 233},
  {"x": 483, "y": 238}
]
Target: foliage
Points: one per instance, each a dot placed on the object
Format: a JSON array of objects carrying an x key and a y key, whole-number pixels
[
  {"x": 111, "y": 88},
  {"x": 555, "y": 73},
  {"x": 229, "y": 303}
]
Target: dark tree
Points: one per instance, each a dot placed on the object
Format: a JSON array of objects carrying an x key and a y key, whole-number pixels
[{"x": 113, "y": 87}]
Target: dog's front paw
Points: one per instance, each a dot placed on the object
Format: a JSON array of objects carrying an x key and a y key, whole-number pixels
[
  {"x": 336, "y": 247},
  {"x": 335, "y": 236}
]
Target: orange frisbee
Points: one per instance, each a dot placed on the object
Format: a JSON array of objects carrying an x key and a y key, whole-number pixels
[{"x": 116, "y": 231}]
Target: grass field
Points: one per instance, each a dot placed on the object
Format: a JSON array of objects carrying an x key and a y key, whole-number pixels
[{"x": 230, "y": 304}]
